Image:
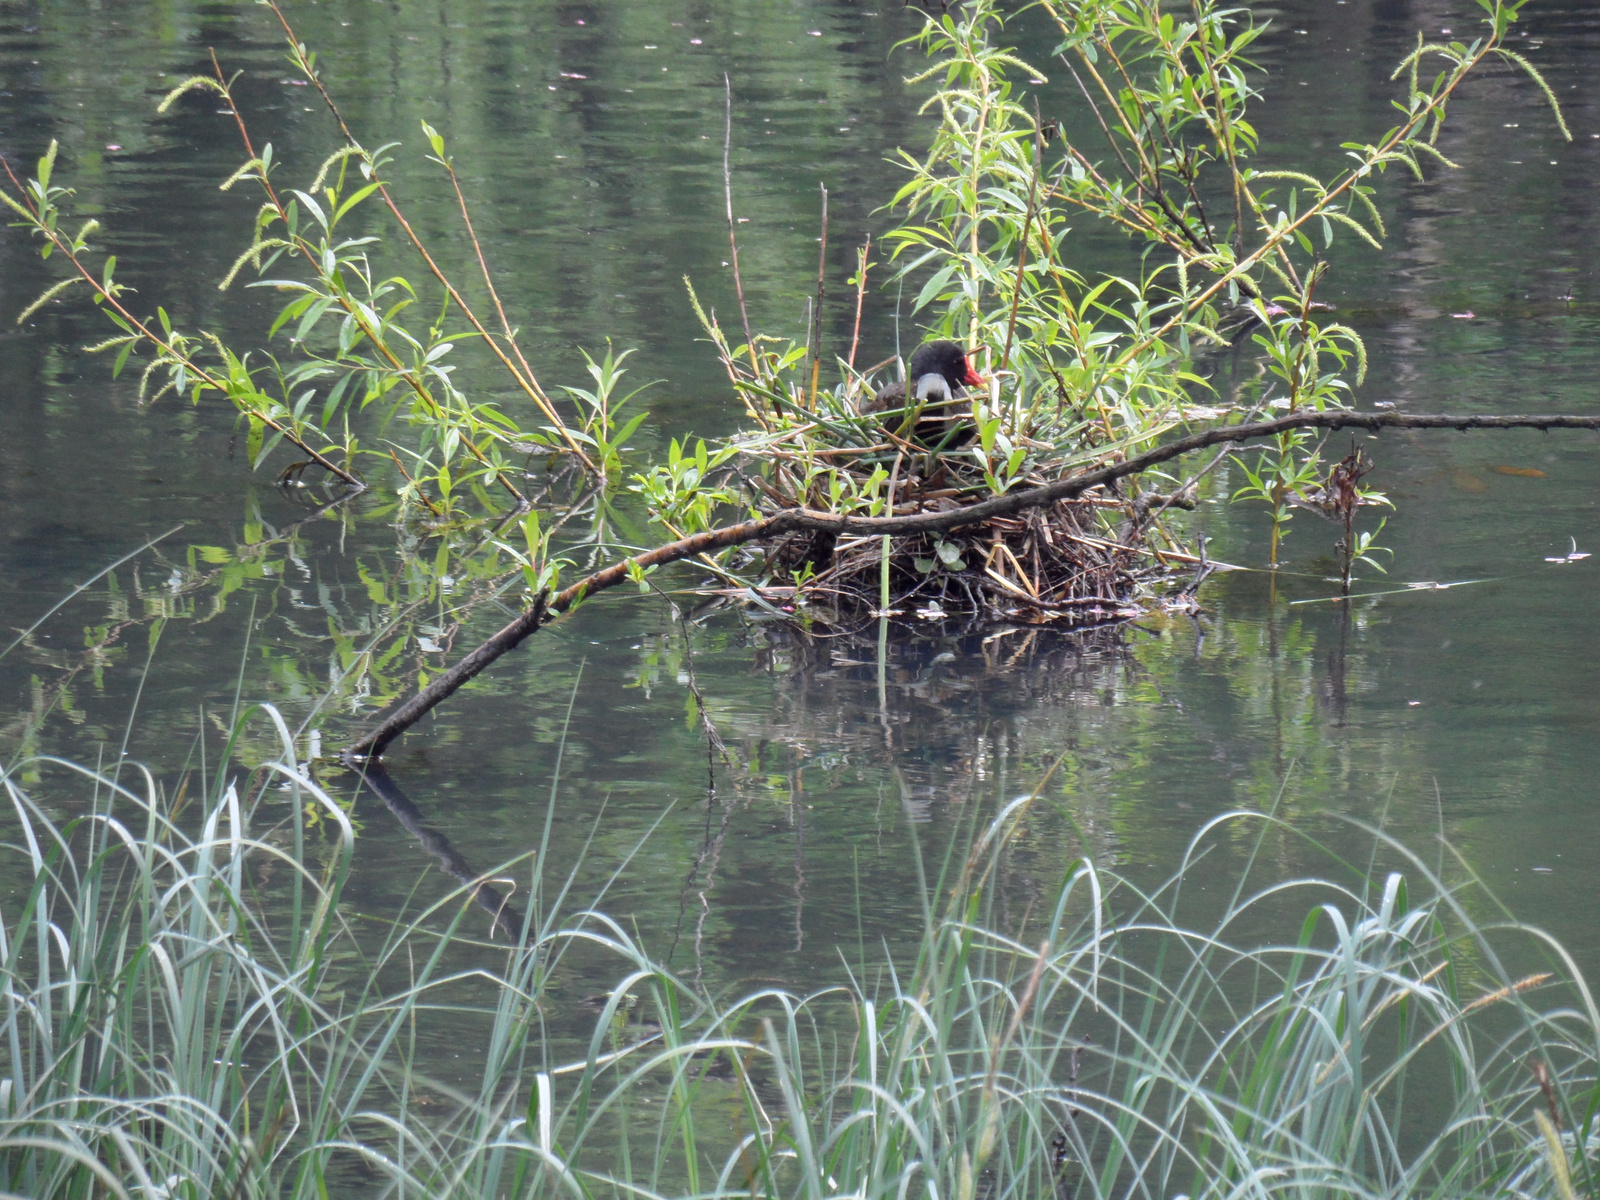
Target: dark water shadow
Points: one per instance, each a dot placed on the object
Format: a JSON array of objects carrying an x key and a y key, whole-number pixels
[{"x": 507, "y": 918}]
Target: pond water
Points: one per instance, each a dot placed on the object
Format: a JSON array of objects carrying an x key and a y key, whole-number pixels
[{"x": 589, "y": 138}]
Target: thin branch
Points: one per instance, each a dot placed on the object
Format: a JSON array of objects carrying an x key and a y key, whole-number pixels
[
  {"x": 733, "y": 242},
  {"x": 488, "y": 277},
  {"x": 527, "y": 383},
  {"x": 816, "y": 311},
  {"x": 1027, "y": 225},
  {"x": 1225, "y": 135},
  {"x": 421, "y": 495}
]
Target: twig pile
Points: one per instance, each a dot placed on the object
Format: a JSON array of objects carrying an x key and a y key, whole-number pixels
[{"x": 1082, "y": 559}]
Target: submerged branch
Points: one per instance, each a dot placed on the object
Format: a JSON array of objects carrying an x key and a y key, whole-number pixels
[{"x": 546, "y": 607}]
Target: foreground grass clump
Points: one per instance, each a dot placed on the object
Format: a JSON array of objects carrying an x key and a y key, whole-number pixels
[{"x": 190, "y": 1011}]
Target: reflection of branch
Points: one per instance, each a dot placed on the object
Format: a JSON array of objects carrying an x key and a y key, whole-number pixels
[
  {"x": 789, "y": 520},
  {"x": 448, "y": 857},
  {"x": 98, "y": 575},
  {"x": 797, "y": 817},
  {"x": 709, "y": 856}
]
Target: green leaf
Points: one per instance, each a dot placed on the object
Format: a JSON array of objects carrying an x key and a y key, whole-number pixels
[
  {"x": 434, "y": 139},
  {"x": 290, "y": 311},
  {"x": 353, "y": 201},
  {"x": 252, "y": 444},
  {"x": 335, "y": 395},
  {"x": 47, "y": 164}
]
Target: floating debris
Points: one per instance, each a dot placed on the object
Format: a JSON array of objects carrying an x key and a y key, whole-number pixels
[
  {"x": 1575, "y": 556},
  {"x": 1520, "y": 472}
]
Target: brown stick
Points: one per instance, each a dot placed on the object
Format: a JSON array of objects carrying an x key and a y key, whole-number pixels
[
  {"x": 733, "y": 242},
  {"x": 789, "y": 520},
  {"x": 816, "y": 312}
]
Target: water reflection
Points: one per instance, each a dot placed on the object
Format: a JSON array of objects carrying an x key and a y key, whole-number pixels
[{"x": 503, "y": 915}]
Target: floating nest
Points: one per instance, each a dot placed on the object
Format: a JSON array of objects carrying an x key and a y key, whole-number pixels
[
  {"x": 1053, "y": 564},
  {"x": 1096, "y": 559}
]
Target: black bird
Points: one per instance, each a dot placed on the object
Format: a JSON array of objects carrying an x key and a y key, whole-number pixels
[{"x": 939, "y": 375}]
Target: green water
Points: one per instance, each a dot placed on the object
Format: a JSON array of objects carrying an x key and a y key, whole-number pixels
[{"x": 1468, "y": 710}]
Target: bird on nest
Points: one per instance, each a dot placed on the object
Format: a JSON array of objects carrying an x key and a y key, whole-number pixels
[{"x": 937, "y": 380}]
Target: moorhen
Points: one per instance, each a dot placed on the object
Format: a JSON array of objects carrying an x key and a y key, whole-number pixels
[{"x": 939, "y": 375}]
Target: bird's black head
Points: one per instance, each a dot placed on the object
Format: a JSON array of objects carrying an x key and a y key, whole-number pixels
[{"x": 946, "y": 359}]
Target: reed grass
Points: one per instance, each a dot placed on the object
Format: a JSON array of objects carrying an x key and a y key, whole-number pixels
[{"x": 190, "y": 1009}]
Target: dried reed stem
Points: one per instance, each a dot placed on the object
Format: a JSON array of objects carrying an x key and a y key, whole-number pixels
[
  {"x": 733, "y": 242},
  {"x": 861, "y": 295},
  {"x": 816, "y": 309}
]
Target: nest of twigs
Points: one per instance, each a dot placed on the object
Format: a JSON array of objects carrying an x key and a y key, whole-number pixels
[
  {"x": 1050, "y": 564},
  {"x": 1087, "y": 561}
]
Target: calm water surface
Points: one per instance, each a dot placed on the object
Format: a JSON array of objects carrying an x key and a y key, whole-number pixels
[{"x": 590, "y": 140}]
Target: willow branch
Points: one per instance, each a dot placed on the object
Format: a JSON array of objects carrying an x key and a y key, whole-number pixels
[
  {"x": 546, "y": 607},
  {"x": 528, "y": 384},
  {"x": 309, "y": 252},
  {"x": 165, "y": 346}
]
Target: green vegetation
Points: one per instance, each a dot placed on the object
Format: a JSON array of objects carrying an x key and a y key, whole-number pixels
[
  {"x": 1083, "y": 372},
  {"x": 1087, "y": 371},
  {"x": 191, "y": 1010}
]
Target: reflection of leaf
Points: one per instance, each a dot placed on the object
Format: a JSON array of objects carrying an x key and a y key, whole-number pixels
[
  {"x": 375, "y": 589},
  {"x": 214, "y": 554},
  {"x": 253, "y": 441}
]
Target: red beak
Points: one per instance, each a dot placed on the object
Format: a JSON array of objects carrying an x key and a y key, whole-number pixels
[{"x": 972, "y": 378}]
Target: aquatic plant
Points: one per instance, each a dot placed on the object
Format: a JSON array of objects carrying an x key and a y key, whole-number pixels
[{"x": 189, "y": 1008}]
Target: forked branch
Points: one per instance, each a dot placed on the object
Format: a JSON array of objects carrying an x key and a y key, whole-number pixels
[{"x": 546, "y": 608}]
